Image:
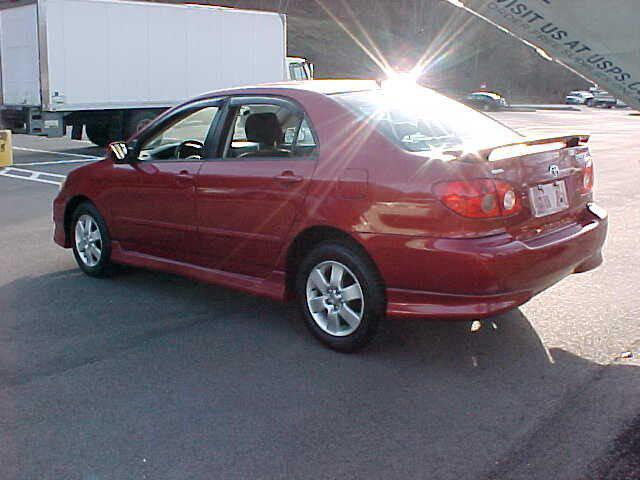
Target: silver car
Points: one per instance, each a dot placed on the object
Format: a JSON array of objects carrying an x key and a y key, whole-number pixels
[{"x": 579, "y": 97}]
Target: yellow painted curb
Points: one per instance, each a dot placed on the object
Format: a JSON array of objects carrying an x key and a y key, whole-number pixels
[{"x": 6, "y": 152}]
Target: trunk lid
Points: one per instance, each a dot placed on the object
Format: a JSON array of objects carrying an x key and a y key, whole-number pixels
[{"x": 547, "y": 175}]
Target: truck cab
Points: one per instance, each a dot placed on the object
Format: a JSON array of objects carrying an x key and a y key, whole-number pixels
[{"x": 299, "y": 68}]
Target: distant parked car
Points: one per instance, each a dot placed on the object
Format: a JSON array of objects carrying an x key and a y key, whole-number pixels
[
  {"x": 579, "y": 97},
  {"x": 487, "y": 101},
  {"x": 603, "y": 99}
]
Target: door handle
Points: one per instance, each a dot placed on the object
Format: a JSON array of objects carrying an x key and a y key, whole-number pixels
[
  {"x": 288, "y": 177},
  {"x": 184, "y": 178}
]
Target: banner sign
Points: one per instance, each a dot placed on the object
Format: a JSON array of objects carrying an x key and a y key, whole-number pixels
[{"x": 596, "y": 38}]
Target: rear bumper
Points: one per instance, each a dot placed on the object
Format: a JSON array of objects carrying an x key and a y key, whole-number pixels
[{"x": 476, "y": 278}]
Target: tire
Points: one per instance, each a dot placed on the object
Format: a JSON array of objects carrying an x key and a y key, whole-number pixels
[
  {"x": 96, "y": 261},
  {"x": 486, "y": 107},
  {"x": 136, "y": 120},
  {"x": 589, "y": 102},
  {"x": 98, "y": 133},
  {"x": 340, "y": 324}
]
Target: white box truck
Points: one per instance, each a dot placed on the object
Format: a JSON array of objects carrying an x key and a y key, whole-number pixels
[{"x": 111, "y": 66}]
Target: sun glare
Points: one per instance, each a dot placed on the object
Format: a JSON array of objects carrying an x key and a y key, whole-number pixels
[
  {"x": 400, "y": 80},
  {"x": 441, "y": 51}
]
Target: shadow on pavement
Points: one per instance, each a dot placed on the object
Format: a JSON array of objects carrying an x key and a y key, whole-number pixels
[{"x": 96, "y": 375}]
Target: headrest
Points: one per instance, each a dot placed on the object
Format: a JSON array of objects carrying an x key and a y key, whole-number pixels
[{"x": 263, "y": 128}]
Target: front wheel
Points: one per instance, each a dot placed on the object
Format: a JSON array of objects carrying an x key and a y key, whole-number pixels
[
  {"x": 341, "y": 296},
  {"x": 91, "y": 242}
]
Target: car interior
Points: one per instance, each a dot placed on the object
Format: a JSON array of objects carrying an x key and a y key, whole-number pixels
[
  {"x": 256, "y": 131},
  {"x": 183, "y": 139},
  {"x": 268, "y": 131}
]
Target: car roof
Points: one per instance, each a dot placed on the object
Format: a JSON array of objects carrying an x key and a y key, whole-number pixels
[
  {"x": 488, "y": 94},
  {"x": 324, "y": 87}
]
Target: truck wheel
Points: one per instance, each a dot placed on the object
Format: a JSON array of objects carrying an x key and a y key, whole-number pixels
[
  {"x": 98, "y": 133},
  {"x": 589, "y": 102},
  {"x": 340, "y": 295},
  {"x": 137, "y": 120}
]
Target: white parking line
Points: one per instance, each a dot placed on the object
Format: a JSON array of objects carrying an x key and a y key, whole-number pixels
[
  {"x": 35, "y": 150},
  {"x": 32, "y": 176},
  {"x": 61, "y": 162}
]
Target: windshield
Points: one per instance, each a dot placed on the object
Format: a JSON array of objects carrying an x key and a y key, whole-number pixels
[{"x": 421, "y": 120}]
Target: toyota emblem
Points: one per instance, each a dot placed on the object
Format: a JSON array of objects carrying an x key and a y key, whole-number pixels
[{"x": 554, "y": 170}]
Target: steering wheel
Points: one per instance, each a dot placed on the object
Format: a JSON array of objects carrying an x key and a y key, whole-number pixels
[{"x": 189, "y": 149}]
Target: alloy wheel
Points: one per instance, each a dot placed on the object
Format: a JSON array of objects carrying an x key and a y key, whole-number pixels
[
  {"x": 335, "y": 298},
  {"x": 88, "y": 240}
]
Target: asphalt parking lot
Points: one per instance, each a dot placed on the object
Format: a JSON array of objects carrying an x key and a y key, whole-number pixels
[{"x": 148, "y": 375}]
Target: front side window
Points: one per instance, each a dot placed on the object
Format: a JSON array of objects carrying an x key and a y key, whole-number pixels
[
  {"x": 421, "y": 120},
  {"x": 263, "y": 130},
  {"x": 182, "y": 139}
]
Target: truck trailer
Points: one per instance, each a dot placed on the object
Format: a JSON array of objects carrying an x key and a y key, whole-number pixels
[{"x": 111, "y": 66}]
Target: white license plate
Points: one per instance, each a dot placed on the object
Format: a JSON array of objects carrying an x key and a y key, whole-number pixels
[{"x": 549, "y": 198}]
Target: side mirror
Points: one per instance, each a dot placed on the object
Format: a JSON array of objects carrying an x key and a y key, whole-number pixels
[{"x": 120, "y": 152}]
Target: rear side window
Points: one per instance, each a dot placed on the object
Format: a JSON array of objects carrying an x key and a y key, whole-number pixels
[
  {"x": 421, "y": 120},
  {"x": 263, "y": 130},
  {"x": 306, "y": 142}
]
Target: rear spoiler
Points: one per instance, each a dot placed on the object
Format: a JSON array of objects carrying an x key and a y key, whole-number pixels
[
  {"x": 527, "y": 146},
  {"x": 570, "y": 140}
]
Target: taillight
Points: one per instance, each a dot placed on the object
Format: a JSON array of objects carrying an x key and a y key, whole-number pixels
[
  {"x": 479, "y": 198},
  {"x": 587, "y": 175}
]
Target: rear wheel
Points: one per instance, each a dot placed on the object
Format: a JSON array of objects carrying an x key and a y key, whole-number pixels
[
  {"x": 340, "y": 295},
  {"x": 98, "y": 133},
  {"x": 91, "y": 241}
]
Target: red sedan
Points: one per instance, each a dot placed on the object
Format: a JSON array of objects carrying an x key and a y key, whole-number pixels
[{"x": 358, "y": 200}]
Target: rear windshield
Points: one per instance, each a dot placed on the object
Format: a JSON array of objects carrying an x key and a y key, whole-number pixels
[{"x": 421, "y": 120}]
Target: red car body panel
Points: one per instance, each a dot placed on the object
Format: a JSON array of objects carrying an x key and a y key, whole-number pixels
[
  {"x": 246, "y": 211},
  {"x": 232, "y": 223}
]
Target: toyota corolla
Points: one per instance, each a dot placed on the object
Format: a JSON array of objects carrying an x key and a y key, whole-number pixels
[{"x": 358, "y": 200}]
